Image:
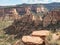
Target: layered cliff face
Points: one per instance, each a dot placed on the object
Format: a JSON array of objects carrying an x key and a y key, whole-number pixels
[
  {"x": 15, "y": 12},
  {"x": 9, "y": 13},
  {"x": 27, "y": 9},
  {"x": 52, "y": 20},
  {"x": 41, "y": 9}
]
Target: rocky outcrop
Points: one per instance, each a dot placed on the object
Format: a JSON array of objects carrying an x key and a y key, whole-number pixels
[
  {"x": 41, "y": 9},
  {"x": 52, "y": 20},
  {"x": 37, "y": 38},
  {"x": 42, "y": 33},
  {"x": 13, "y": 12},
  {"x": 28, "y": 10},
  {"x": 32, "y": 39},
  {"x": 9, "y": 13}
]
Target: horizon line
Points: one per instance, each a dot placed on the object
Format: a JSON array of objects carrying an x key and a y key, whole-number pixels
[{"x": 28, "y": 3}]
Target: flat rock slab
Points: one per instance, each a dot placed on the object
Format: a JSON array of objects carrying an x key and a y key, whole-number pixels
[
  {"x": 32, "y": 39},
  {"x": 40, "y": 33}
]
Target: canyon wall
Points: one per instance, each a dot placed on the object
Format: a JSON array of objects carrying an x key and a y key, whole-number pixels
[{"x": 15, "y": 12}]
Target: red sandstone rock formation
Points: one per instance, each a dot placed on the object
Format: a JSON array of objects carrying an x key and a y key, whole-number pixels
[
  {"x": 41, "y": 9},
  {"x": 32, "y": 39},
  {"x": 52, "y": 18},
  {"x": 9, "y": 13},
  {"x": 40, "y": 33},
  {"x": 28, "y": 10}
]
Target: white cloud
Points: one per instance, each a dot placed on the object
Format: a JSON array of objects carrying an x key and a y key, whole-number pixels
[
  {"x": 13, "y": 2},
  {"x": 55, "y": 0},
  {"x": 42, "y": 1},
  {"x": 36, "y": 1}
]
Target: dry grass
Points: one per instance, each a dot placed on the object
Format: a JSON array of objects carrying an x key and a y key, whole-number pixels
[
  {"x": 53, "y": 42},
  {"x": 6, "y": 39}
]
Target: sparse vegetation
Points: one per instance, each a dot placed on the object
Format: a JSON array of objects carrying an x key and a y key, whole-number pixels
[
  {"x": 27, "y": 24},
  {"x": 5, "y": 39}
]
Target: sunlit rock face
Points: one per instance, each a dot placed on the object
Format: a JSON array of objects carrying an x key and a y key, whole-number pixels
[
  {"x": 41, "y": 9},
  {"x": 28, "y": 10},
  {"x": 15, "y": 12},
  {"x": 8, "y": 13},
  {"x": 37, "y": 18},
  {"x": 32, "y": 39},
  {"x": 40, "y": 33},
  {"x": 38, "y": 9},
  {"x": 11, "y": 13}
]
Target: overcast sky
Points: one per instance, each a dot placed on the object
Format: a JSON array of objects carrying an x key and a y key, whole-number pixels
[{"x": 14, "y": 2}]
